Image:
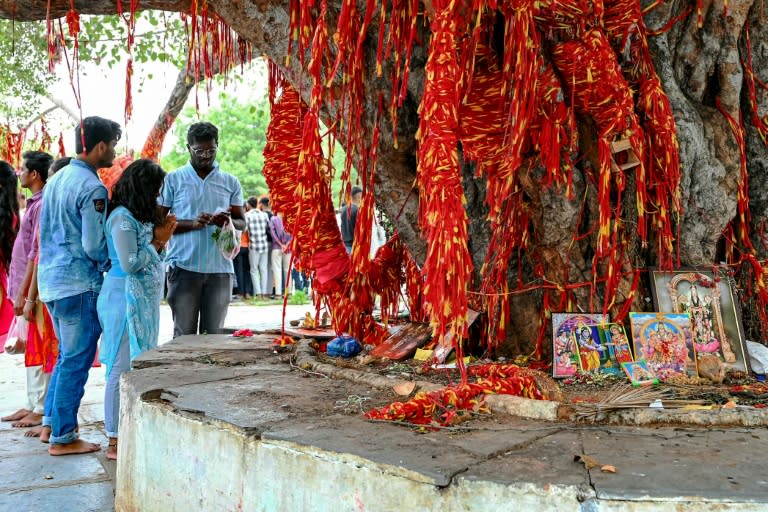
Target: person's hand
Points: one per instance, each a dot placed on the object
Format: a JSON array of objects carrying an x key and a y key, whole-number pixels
[
  {"x": 18, "y": 304},
  {"x": 164, "y": 231},
  {"x": 220, "y": 219},
  {"x": 29, "y": 311},
  {"x": 203, "y": 220}
]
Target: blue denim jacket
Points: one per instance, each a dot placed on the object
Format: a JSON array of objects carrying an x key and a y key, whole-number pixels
[{"x": 73, "y": 250}]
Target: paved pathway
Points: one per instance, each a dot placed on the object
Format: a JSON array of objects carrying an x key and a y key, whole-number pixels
[{"x": 31, "y": 480}]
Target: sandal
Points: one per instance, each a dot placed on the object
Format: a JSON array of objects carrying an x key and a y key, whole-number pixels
[{"x": 112, "y": 449}]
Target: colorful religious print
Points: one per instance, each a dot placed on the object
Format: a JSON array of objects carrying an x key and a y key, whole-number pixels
[
  {"x": 715, "y": 316},
  {"x": 592, "y": 353},
  {"x": 615, "y": 339},
  {"x": 639, "y": 373},
  {"x": 602, "y": 347},
  {"x": 664, "y": 340},
  {"x": 565, "y": 355}
]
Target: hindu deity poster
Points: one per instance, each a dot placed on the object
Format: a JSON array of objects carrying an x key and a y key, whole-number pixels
[
  {"x": 707, "y": 295},
  {"x": 664, "y": 340},
  {"x": 565, "y": 354}
]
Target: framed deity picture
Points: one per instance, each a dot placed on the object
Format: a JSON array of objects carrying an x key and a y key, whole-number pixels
[
  {"x": 664, "y": 341},
  {"x": 602, "y": 348},
  {"x": 592, "y": 353},
  {"x": 565, "y": 354},
  {"x": 615, "y": 339},
  {"x": 639, "y": 373},
  {"x": 710, "y": 300}
]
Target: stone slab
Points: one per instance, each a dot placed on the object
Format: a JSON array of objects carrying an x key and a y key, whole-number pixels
[
  {"x": 269, "y": 395},
  {"x": 209, "y": 349},
  {"x": 543, "y": 462},
  {"x": 391, "y": 445},
  {"x": 215, "y": 342},
  {"x": 239, "y": 403},
  {"x": 677, "y": 464},
  {"x": 90, "y": 497},
  {"x": 30, "y": 471},
  {"x": 13, "y": 442},
  {"x": 157, "y": 378},
  {"x": 515, "y": 435}
]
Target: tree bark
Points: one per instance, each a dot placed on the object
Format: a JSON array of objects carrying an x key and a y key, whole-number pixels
[
  {"x": 695, "y": 65},
  {"x": 176, "y": 100}
]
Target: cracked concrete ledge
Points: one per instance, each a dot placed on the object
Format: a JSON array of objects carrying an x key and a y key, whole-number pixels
[
  {"x": 551, "y": 410},
  {"x": 208, "y": 438},
  {"x": 242, "y": 431}
]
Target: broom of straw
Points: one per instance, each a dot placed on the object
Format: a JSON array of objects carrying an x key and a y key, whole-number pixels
[{"x": 628, "y": 397}]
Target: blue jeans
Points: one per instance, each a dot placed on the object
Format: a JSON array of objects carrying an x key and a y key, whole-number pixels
[
  {"x": 121, "y": 365},
  {"x": 77, "y": 326},
  {"x": 299, "y": 280}
]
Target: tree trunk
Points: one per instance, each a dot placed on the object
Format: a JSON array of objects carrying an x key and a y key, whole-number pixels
[{"x": 695, "y": 65}]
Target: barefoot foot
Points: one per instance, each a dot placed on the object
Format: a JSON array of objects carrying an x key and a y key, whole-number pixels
[
  {"x": 35, "y": 431},
  {"x": 17, "y": 415},
  {"x": 75, "y": 447},
  {"x": 30, "y": 420},
  {"x": 112, "y": 449},
  {"x": 45, "y": 433}
]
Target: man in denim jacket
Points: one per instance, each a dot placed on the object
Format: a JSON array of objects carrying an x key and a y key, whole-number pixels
[{"x": 73, "y": 257}]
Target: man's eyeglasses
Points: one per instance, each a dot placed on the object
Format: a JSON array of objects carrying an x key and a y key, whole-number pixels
[{"x": 203, "y": 153}]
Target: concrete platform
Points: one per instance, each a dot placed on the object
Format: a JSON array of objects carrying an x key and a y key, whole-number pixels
[{"x": 212, "y": 423}]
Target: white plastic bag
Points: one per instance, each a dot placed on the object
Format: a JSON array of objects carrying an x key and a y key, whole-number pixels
[
  {"x": 758, "y": 357},
  {"x": 17, "y": 336},
  {"x": 227, "y": 240}
]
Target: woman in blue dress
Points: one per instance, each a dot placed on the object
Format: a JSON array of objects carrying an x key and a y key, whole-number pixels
[{"x": 129, "y": 302}]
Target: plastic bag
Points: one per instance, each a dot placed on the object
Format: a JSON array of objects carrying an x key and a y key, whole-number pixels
[
  {"x": 343, "y": 346},
  {"x": 17, "y": 336},
  {"x": 758, "y": 357},
  {"x": 227, "y": 240}
]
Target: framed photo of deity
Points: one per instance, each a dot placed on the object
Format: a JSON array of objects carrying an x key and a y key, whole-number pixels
[
  {"x": 616, "y": 341},
  {"x": 592, "y": 353},
  {"x": 709, "y": 297},
  {"x": 664, "y": 340},
  {"x": 639, "y": 373},
  {"x": 565, "y": 354}
]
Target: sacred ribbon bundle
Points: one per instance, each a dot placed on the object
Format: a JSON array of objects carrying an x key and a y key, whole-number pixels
[{"x": 442, "y": 407}]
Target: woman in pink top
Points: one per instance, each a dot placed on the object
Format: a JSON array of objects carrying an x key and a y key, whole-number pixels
[{"x": 9, "y": 226}]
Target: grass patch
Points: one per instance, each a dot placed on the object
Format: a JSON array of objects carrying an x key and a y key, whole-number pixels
[
  {"x": 258, "y": 301},
  {"x": 298, "y": 298}
]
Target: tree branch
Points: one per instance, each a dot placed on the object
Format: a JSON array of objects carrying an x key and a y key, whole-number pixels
[
  {"x": 34, "y": 10},
  {"x": 59, "y": 103}
]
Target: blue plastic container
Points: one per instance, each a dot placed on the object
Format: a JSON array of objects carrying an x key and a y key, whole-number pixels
[{"x": 344, "y": 346}]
